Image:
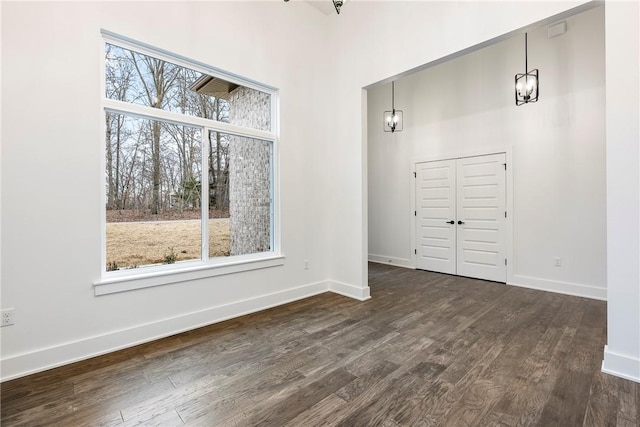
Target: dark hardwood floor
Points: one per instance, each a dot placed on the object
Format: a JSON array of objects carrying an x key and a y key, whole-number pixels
[{"x": 427, "y": 350}]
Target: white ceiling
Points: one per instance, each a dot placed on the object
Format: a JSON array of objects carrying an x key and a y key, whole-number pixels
[{"x": 324, "y": 6}]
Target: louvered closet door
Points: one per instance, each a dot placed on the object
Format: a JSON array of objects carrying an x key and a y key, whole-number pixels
[
  {"x": 435, "y": 215},
  {"x": 481, "y": 221}
]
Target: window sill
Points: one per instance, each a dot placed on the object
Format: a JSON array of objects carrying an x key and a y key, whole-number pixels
[{"x": 112, "y": 285}]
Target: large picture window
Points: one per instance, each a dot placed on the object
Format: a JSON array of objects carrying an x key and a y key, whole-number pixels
[{"x": 189, "y": 163}]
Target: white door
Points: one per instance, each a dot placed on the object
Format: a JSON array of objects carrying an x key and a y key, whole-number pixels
[
  {"x": 481, "y": 217},
  {"x": 461, "y": 217},
  {"x": 435, "y": 216}
]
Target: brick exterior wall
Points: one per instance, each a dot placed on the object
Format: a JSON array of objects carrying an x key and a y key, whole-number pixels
[{"x": 249, "y": 174}]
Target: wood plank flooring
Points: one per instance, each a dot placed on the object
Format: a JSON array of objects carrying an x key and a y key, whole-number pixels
[{"x": 426, "y": 350}]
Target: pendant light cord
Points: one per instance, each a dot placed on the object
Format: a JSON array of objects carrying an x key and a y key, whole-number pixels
[
  {"x": 526, "y": 55},
  {"x": 393, "y": 96}
]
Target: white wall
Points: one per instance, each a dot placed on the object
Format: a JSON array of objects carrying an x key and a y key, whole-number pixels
[
  {"x": 465, "y": 106},
  {"x": 622, "y": 352},
  {"x": 52, "y": 179},
  {"x": 376, "y": 40}
]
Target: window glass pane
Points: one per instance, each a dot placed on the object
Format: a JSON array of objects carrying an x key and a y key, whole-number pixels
[
  {"x": 153, "y": 176},
  {"x": 240, "y": 195},
  {"x": 141, "y": 79}
]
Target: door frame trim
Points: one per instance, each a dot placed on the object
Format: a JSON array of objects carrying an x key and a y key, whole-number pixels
[{"x": 508, "y": 152}]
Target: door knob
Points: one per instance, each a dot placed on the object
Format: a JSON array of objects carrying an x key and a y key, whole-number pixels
[
  {"x": 460, "y": 222},
  {"x": 450, "y": 222}
]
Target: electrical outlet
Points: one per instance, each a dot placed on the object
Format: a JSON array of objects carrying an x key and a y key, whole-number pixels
[
  {"x": 557, "y": 262},
  {"x": 306, "y": 264},
  {"x": 7, "y": 317}
]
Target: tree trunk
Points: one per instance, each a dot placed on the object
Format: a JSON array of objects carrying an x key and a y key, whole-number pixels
[
  {"x": 155, "y": 201},
  {"x": 110, "y": 192},
  {"x": 116, "y": 194}
]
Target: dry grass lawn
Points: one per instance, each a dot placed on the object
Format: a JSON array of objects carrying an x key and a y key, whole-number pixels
[{"x": 134, "y": 244}]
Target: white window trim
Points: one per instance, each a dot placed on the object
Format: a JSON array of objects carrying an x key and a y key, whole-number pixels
[
  {"x": 126, "y": 280},
  {"x": 188, "y": 271}
]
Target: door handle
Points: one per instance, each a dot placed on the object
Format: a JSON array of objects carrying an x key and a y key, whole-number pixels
[
  {"x": 450, "y": 222},
  {"x": 460, "y": 222}
]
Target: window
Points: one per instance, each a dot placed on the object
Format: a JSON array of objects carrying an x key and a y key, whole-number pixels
[{"x": 189, "y": 164}]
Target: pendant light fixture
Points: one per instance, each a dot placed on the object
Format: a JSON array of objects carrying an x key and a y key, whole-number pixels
[
  {"x": 338, "y": 4},
  {"x": 527, "y": 84},
  {"x": 393, "y": 118}
]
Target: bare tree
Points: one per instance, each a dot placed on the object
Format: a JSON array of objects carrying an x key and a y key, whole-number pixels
[
  {"x": 157, "y": 80},
  {"x": 118, "y": 84},
  {"x": 150, "y": 162}
]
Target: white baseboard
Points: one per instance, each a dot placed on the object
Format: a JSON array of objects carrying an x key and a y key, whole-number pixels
[
  {"x": 389, "y": 260},
  {"x": 63, "y": 354},
  {"x": 361, "y": 294},
  {"x": 566, "y": 288},
  {"x": 621, "y": 365}
]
